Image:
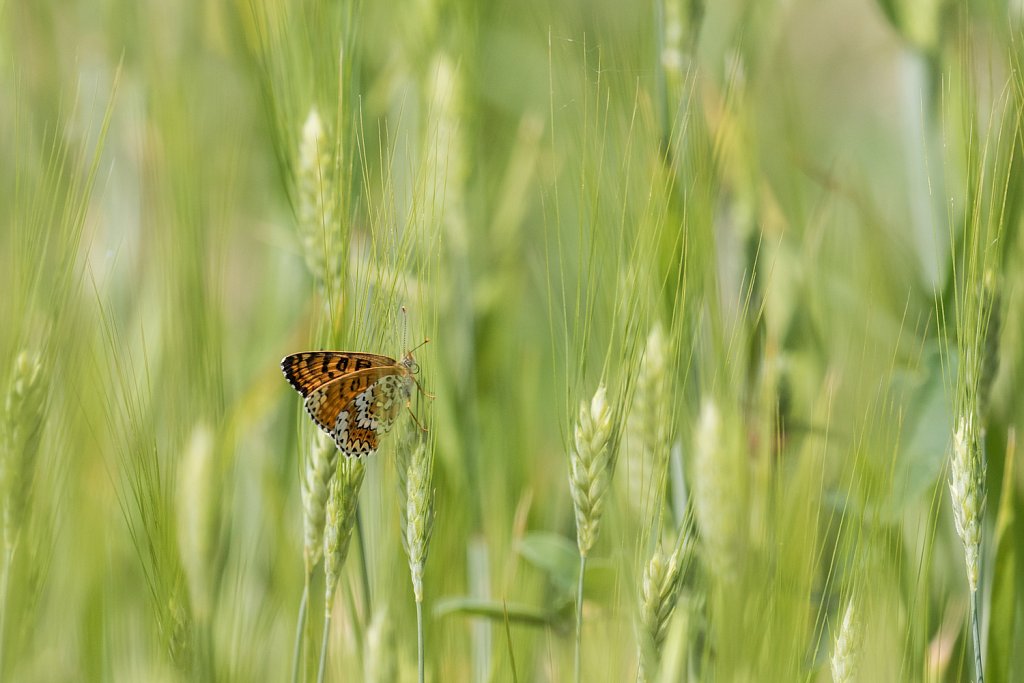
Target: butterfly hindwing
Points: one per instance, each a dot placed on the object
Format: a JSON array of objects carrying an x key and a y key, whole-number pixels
[
  {"x": 309, "y": 371},
  {"x": 357, "y": 408}
]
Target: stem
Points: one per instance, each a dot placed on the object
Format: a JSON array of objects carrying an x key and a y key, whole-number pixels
[
  {"x": 300, "y": 629},
  {"x": 660, "y": 87},
  {"x": 4, "y": 590},
  {"x": 480, "y": 629},
  {"x": 420, "y": 660},
  {"x": 579, "y": 615},
  {"x": 978, "y": 671},
  {"x": 363, "y": 563},
  {"x": 323, "y": 647},
  {"x": 204, "y": 650}
]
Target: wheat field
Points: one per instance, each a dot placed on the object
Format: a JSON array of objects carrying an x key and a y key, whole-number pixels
[{"x": 724, "y": 305}]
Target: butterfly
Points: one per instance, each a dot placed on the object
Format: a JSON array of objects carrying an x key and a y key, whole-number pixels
[{"x": 354, "y": 397}]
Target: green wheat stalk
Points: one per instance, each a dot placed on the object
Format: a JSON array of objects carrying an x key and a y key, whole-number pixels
[
  {"x": 590, "y": 472},
  {"x": 659, "y": 595},
  {"x": 316, "y": 210},
  {"x": 416, "y": 472},
  {"x": 197, "y": 523},
  {"x": 967, "y": 492},
  {"x": 320, "y": 467},
  {"x": 846, "y": 649},
  {"x": 318, "y": 204},
  {"x": 23, "y": 429},
  {"x": 340, "y": 521},
  {"x": 22, "y": 424},
  {"x": 648, "y": 425},
  {"x": 379, "y": 662},
  {"x": 717, "y": 489}
]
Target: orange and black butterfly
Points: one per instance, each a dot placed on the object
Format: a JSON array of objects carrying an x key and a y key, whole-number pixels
[{"x": 354, "y": 397}]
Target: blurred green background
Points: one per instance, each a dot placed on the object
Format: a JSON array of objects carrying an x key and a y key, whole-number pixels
[{"x": 802, "y": 218}]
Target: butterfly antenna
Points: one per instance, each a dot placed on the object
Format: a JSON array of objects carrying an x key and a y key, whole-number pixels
[{"x": 421, "y": 344}]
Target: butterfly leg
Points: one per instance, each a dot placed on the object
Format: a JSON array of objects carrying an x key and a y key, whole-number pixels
[
  {"x": 409, "y": 408},
  {"x": 423, "y": 391}
]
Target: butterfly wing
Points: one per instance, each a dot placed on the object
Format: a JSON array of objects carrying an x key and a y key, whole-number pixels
[
  {"x": 309, "y": 371},
  {"x": 358, "y": 408}
]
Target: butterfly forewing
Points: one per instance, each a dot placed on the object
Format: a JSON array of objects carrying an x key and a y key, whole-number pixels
[{"x": 311, "y": 370}]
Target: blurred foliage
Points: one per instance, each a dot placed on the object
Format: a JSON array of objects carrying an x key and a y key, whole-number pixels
[{"x": 819, "y": 204}]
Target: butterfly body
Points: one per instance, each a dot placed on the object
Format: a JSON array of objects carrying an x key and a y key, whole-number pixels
[{"x": 354, "y": 397}]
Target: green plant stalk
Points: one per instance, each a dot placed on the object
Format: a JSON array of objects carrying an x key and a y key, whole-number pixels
[
  {"x": 579, "y": 618},
  {"x": 323, "y": 648},
  {"x": 364, "y": 570},
  {"x": 511, "y": 651},
  {"x": 5, "y": 582},
  {"x": 420, "y": 659},
  {"x": 300, "y": 629},
  {"x": 204, "y": 651},
  {"x": 979, "y": 671},
  {"x": 415, "y": 473},
  {"x": 976, "y": 630}
]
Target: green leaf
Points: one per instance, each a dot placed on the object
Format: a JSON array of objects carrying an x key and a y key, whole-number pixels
[
  {"x": 927, "y": 428},
  {"x": 514, "y": 613},
  {"x": 555, "y": 555}
]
